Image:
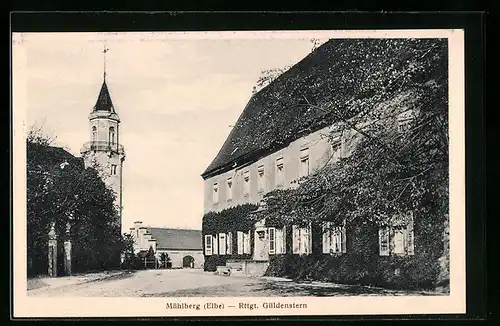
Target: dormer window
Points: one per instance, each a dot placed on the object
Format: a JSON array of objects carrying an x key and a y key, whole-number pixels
[
  {"x": 280, "y": 173},
  {"x": 94, "y": 133},
  {"x": 261, "y": 180},
  {"x": 246, "y": 183},
  {"x": 112, "y": 135},
  {"x": 229, "y": 189},
  {"x": 215, "y": 193}
]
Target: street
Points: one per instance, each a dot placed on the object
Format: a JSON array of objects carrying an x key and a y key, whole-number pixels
[{"x": 192, "y": 283}]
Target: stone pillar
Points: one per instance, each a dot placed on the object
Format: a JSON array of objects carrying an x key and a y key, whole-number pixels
[
  {"x": 52, "y": 251},
  {"x": 67, "y": 251}
]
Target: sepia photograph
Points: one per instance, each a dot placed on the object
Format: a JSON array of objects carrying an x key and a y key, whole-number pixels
[{"x": 254, "y": 168}]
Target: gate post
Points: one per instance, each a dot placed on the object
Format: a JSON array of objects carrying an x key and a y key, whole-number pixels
[
  {"x": 52, "y": 251},
  {"x": 67, "y": 251}
]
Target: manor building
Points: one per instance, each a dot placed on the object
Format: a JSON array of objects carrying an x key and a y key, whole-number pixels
[{"x": 270, "y": 148}]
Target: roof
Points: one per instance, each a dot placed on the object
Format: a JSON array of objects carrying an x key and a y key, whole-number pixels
[
  {"x": 179, "y": 239},
  {"x": 333, "y": 73},
  {"x": 45, "y": 155},
  {"x": 104, "y": 102}
]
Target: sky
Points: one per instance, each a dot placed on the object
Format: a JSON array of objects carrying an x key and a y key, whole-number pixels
[{"x": 177, "y": 98}]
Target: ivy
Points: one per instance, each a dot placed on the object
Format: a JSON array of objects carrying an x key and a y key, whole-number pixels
[{"x": 233, "y": 219}]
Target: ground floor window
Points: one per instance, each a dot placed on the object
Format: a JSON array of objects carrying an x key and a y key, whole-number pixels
[
  {"x": 208, "y": 245},
  {"x": 243, "y": 242},
  {"x": 397, "y": 237},
  {"x": 301, "y": 240},
  {"x": 334, "y": 238},
  {"x": 277, "y": 238}
]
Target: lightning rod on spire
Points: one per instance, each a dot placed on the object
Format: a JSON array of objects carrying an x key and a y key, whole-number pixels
[{"x": 105, "y": 49}]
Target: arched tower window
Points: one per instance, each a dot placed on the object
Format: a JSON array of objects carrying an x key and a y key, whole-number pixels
[
  {"x": 112, "y": 135},
  {"x": 94, "y": 133}
]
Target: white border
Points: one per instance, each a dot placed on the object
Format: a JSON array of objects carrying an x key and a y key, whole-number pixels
[{"x": 25, "y": 306}]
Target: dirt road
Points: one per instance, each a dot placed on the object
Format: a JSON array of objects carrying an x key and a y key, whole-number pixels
[{"x": 194, "y": 282}]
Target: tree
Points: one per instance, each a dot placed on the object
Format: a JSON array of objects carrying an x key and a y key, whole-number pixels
[
  {"x": 60, "y": 190},
  {"x": 128, "y": 251},
  {"x": 389, "y": 171},
  {"x": 269, "y": 75}
]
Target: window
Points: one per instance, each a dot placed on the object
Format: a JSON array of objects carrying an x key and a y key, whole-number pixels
[
  {"x": 261, "y": 180},
  {"x": 229, "y": 247},
  {"x": 94, "y": 133},
  {"x": 246, "y": 182},
  {"x": 272, "y": 240},
  {"x": 277, "y": 241},
  {"x": 405, "y": 120},
  {"x": 113, "y": 169},
  {"x": 301, "y": 240},
  {"x": 279, "y": 172},
  {"x": 383, "y": 234},
  {"x": 397, "y": 238},
  {"x": 215, "y": 193},
  {"x": 334, "y": 239},
  {"x": 304, "y": 162},
  {"x": 222, "y": 244},
  {"x": 112, "y": 135},
  {"x": 229, "y": 189},
  {"x": 208, "y": 245}
]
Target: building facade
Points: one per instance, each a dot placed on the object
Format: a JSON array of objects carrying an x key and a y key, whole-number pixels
[
  {"x": 104, "y": 152},
  {"x": 183, "y": 246},
  {"x": 270, "y": 147}
]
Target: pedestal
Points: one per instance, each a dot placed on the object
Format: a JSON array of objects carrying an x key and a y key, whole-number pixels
[
  {"x": 52, "y": 258},
  {"x": 67, "y": 257}
]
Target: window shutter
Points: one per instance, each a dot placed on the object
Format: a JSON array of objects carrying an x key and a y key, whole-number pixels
[
  {"x": 215, "y": 245},
  {"x": 208, "y": 245},
  {"x": 409, "y": 233},
  {"x": 295, "y": 239},
  {"x": 283, "y": 250},
  {"x": 246, "y": 242},
  {"x": 229, "y": 243},
  {"x": 383, "y": 238},
  {"x": 343, "y": 245},
  {"x": 306, "y": 239},
  {"x": 326, "y": 238},
  {"x": 279, "y": 241},
  {"x": 239, "y": 236}
]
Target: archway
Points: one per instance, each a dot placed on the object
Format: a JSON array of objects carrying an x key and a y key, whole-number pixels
[{"x": 188, "y": 262}]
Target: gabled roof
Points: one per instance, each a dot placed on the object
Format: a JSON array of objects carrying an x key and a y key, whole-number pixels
[
  {"x": 176, "y": 239},
  {"x": 333, "y": 73},
  {"x": 104, "y": 102}
]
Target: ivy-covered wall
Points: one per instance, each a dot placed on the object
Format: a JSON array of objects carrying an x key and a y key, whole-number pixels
[
  {"x": 233, "y": 219},
  {"x": 362, "y": 264}
]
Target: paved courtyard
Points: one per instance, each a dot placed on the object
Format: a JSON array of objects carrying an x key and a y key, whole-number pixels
[{"x": 190, "y": 283}]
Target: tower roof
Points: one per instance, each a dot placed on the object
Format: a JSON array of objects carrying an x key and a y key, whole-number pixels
[{"x": 104, "y": 102}]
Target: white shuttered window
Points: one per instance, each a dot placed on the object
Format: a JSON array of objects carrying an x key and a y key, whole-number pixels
[{"x": 208, "y": 245}]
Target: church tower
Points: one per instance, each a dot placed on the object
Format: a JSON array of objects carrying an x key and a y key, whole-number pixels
[{"x": 104, "y": 151}]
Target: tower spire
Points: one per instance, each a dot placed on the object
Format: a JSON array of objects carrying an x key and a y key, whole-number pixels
[{"x": 105, "y": 49}]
